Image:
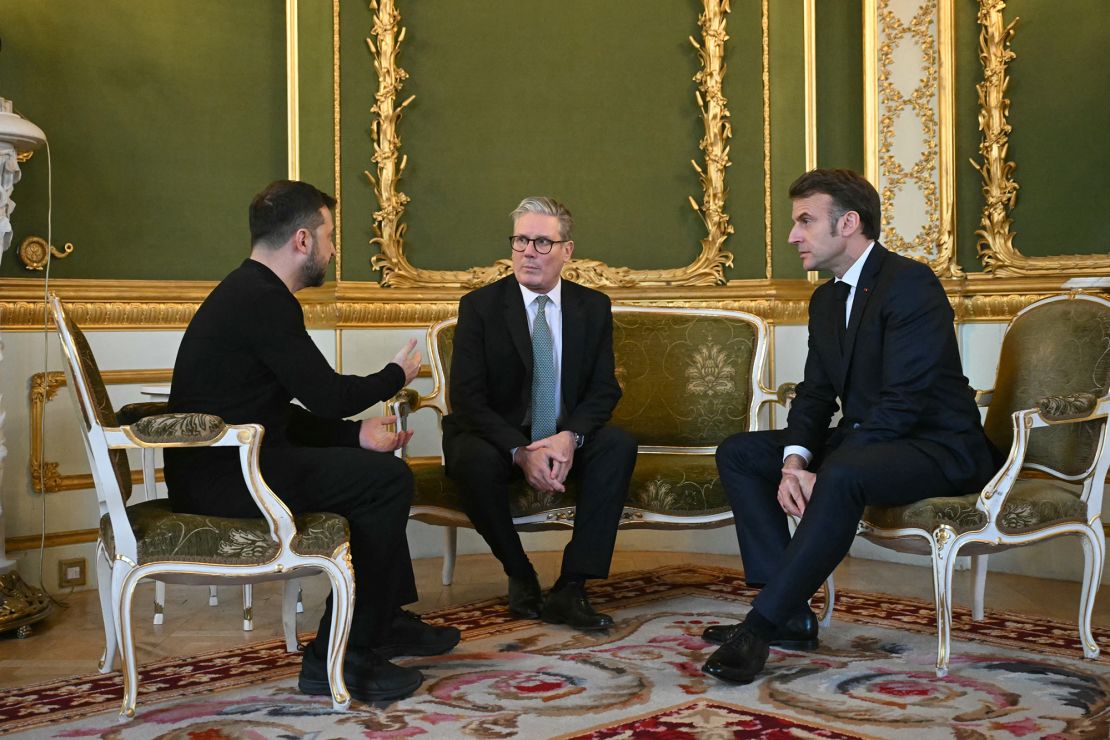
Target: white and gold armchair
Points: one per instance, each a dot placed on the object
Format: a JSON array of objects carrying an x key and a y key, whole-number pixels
[
  {"x": 1049, "y": 408},
  {"x": 148, "y": 540}
]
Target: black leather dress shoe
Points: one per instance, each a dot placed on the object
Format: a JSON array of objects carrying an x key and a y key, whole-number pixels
[
  {"x": 569, "y": 606},
  {"x": 799, "y": 633},
  {"x": 369, "y": 677},
  {"x": 525, "y": 599},
  {"x": 740, "y": 659},
  {"x": 410, "y": 635}
]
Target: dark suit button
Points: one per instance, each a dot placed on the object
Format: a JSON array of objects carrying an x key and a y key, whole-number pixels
[{"x": 855, "y": 425}]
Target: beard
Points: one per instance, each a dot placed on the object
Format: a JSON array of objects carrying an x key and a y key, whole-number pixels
[{"x": 313, "y": 270}]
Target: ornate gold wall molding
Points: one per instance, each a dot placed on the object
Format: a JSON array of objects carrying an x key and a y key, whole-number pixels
[
  {"x": 899, "y": 36},
  {"x": 387, "y": 34},
  {"x": 1000, "y": 190},
  {"x": 45, "y": 476},
  {"x": 52, "y": 539},
  {"x": 170, "y": 305}
]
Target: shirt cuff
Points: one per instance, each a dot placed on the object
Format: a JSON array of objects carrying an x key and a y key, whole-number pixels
[{"x": 797, "y": 450}]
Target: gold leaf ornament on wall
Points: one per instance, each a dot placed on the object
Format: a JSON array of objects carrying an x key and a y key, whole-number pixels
[{"x": 387, "y": 35}]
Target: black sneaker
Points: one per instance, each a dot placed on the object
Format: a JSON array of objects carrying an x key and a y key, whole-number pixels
[
  {"x": 369, "y": 676},
  {"x": 410, "y": 635}
]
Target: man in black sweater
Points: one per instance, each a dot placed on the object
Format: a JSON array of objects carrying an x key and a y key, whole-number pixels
[{"x": 245, "y": 356}]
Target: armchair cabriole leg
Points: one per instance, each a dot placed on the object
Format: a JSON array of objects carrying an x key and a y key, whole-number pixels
[
  {"x": 159, "y": 602},
  {"x": 943, "y": 562},
  {"x": 340, "y": 631},
  {"x": 107, "y": 662},
  {"x": 248, "y": 608},
  {"x": 123, "y": 589},
  {"x": 1094, "y": 556},
  {"x": 825, "y": 617},
  {"x": 290, "y": 599},
  {"x": 978, "y": 586},
  {"x": 450, "y": 548}
]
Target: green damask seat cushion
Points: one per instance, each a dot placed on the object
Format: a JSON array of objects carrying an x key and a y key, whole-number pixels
[
  {"x": 664, "y": 483},
  {"x": 1031, "y": 505},
  {"x": 164, "y": 536}
]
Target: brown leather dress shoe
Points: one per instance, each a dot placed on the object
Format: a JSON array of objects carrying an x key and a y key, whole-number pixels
[
  {"x": 570, "y": 606},
  {"x": 525, "y": 598},
  {"x": 798, "y": 633},
  {"x": 740, "y": 659}
]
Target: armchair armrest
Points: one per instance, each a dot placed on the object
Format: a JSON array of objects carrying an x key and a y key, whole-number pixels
[
  {"x": 984, "y": 397},
  {"x": 786, "y": 393},
  {"x": 176, "y": 429},
  {"x": 1055, "y": 409},
  {"x": 132, "y": 412}
]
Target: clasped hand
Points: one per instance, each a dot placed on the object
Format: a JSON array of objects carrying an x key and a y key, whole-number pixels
[
  {"x": 546, "y": 462},
  {"x": 795, "y": 488}
]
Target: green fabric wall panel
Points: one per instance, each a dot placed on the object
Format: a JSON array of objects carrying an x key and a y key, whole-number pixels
[
  {"x": 839, "y": 67},
  {"x": 164, "y": 117},
  {"x": 788, "y": 155}
]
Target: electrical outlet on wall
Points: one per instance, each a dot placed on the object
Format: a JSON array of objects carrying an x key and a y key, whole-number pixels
[{"x": 71, "y": 572}]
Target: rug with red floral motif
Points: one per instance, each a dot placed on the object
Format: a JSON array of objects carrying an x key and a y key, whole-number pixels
[{"x": 1011, "y": 677}]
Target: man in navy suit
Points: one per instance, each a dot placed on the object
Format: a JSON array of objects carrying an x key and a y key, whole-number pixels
[
  {"x": 532, "y": 385},
  {"x": 882, "y": 350}
]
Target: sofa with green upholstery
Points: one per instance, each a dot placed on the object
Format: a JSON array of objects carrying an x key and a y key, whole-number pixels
[{"x": 690, "y": 378}]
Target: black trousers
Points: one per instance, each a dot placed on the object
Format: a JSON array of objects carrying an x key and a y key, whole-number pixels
[
  {"x": 372, "y": 490},
  {"x": 791, "y": 569},
  {"x": 603, "y": 468}
]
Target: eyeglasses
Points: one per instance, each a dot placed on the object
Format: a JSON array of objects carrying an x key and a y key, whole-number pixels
[{"x": 543, "y": 245}]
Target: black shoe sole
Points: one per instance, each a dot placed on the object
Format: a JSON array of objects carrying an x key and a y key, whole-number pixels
[
  {"x": 314, "y": 687},
  {"x": 727, "y": 674}
]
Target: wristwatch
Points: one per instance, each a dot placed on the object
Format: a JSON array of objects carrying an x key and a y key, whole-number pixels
[{"x": 579, "y": 439}]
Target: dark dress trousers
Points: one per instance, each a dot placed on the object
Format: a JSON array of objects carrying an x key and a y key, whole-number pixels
[
  {"x": 244, "y": 357},
  {"x": 490, "y": 390},
  {"x": 909, "y": 430}
]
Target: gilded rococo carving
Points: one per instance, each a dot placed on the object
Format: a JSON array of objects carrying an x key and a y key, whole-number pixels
[
  {"x": 387, "y": 34},
  {"x": 1000, "y": 190}
]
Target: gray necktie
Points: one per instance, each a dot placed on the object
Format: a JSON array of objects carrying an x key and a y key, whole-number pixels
[{"x": 544, "y": 404}]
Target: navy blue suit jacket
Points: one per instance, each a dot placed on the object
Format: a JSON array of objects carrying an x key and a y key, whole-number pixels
[{"x": 899, "y": 376}]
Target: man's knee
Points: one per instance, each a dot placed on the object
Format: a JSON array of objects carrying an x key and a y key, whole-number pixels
[
  {"x": 745, "y": 452},
  {"x": 616, "y": 442},
  {"x": 471, "y": 459}
]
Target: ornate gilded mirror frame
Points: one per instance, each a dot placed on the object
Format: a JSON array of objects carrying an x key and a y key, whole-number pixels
[
  {"x": 908, "y": 89},
  {"x": 996, "y": 238},
  {"x": 389, "y": 227}
]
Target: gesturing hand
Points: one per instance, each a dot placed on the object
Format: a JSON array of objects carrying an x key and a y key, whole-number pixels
[
  {"x": 409, "y": 360},
  {"x": 376, "y": 433}
]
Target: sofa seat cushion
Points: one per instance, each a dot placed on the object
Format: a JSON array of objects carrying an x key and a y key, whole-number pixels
[
  {"x": 164, "y": 536},
  {"x": 661, "y": 483},
  {"x": 1032, "y": 504}
]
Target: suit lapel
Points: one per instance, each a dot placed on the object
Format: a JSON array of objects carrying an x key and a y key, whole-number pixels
[
  {"x": 573, "y": 340},
  {"x": 517, "y": 320},
  {"x": 864, "y": 289}
]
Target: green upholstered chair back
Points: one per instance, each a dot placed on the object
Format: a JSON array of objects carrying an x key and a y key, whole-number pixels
[
  {"x": 1056, "y": 347},
  {"x": 86, "y": 371},
  {"x": 686, "y": 378}
]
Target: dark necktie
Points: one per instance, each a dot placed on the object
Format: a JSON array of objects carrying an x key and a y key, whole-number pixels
[
  {"x": 545, "y": 406},
  {"x": 841, "y": 290}
]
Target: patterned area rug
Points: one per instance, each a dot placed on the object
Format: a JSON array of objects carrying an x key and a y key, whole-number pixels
[{"x": 1011, "y": 677}]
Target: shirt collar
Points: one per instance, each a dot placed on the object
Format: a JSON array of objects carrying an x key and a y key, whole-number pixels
[
  {"x": 555, "y": 294},
  {"x": 852, "y": 275}
]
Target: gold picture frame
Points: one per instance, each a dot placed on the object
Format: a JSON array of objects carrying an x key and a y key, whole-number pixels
[
  {"x": 707, "y": 268},
  {"x": 995, "y": 235}
]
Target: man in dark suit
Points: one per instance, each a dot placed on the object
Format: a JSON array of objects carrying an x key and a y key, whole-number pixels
[
  {"x": 532, "y": 385},
  {"x": 882, "y": 343}
]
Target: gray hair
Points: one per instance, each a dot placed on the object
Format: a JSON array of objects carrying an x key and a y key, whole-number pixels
[{"x": 546, "y": 207}]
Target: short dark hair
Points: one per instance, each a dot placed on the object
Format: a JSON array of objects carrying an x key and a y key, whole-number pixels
[
  {"x": 283, "y": 207},
  {"x": 849, "y": 190}
]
